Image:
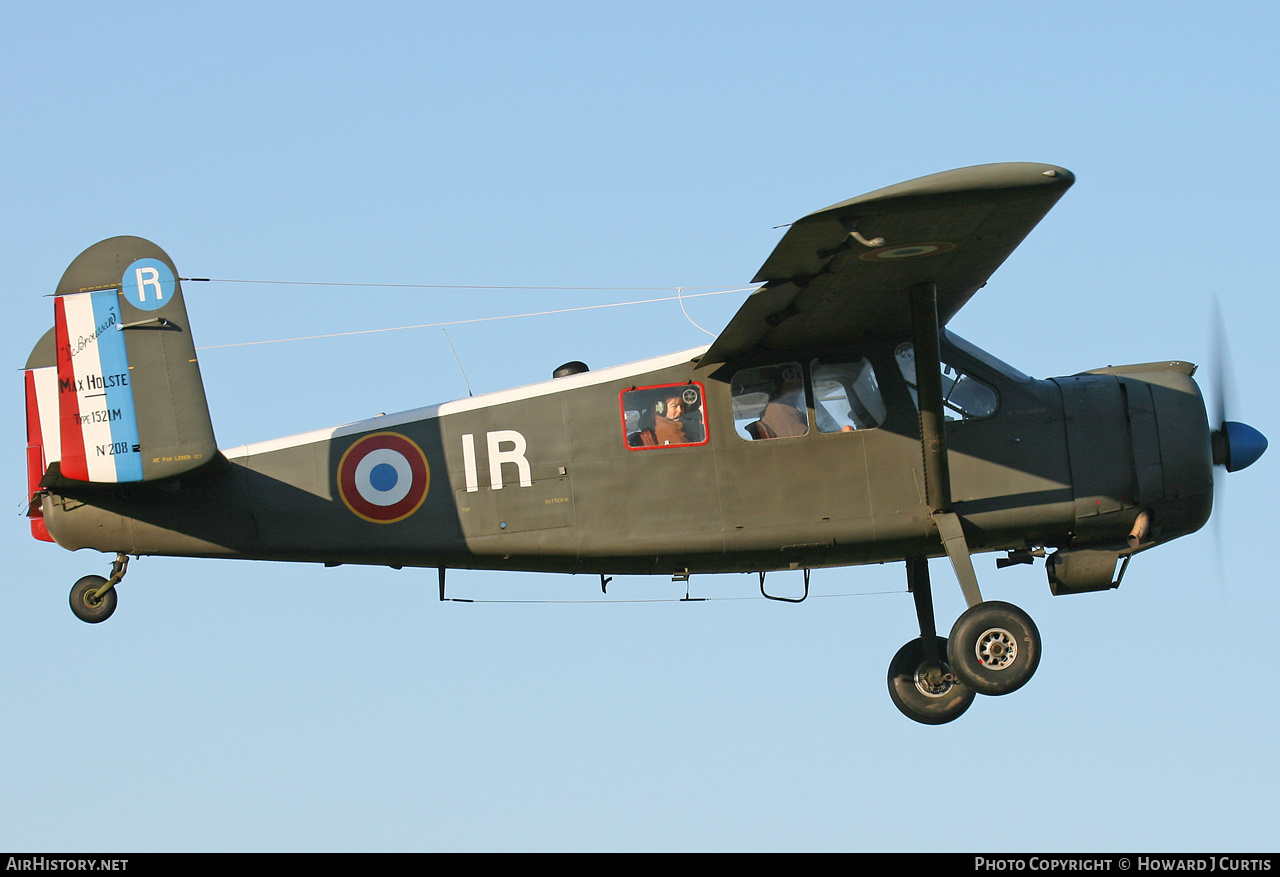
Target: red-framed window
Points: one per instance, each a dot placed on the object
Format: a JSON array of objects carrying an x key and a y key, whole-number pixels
[{"x": 664, "y": 416}]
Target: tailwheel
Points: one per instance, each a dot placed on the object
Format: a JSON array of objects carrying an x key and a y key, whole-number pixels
[
  {"x": 994, "y": 648},
  {"x": 87, "y": 606},
  {"x": 925, "y": 690}
]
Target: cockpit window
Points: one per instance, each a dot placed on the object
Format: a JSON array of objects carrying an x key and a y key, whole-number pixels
[
  {"x": 769, "y": 402},
  {"x": 846, "y": 396},
  {"x": 964, "y": 397},
  {"x": 665, "y": 416}
]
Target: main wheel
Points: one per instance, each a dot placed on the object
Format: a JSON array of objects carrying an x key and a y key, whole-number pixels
[
  {"x": 926, "y": 692},
  {"x": 86, "y": 607},
  {"x": 994, "y": 648}
]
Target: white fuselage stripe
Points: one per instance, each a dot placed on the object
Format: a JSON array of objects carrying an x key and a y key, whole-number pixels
[{"x": 431, "y": 412}]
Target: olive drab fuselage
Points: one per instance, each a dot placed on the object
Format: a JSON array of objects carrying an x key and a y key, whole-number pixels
[{"x": 545, "y": 478}]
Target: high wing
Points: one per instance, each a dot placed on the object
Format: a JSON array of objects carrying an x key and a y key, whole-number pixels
[{"x": 846, "y": 272}]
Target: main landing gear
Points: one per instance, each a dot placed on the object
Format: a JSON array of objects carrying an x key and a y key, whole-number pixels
[
  {"x": 922, "y": 685},
  {"x": 94, "y": 598},
  {"x": 994, "y": 648}
]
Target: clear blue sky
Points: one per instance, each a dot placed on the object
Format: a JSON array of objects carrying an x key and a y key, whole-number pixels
[{"x": 242, "y": 706}]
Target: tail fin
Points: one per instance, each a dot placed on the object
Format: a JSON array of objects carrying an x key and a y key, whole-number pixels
[{"x": 123, "y": 383}]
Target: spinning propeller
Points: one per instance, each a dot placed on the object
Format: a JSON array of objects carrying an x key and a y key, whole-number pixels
[{"x": 1235, "y": 445}]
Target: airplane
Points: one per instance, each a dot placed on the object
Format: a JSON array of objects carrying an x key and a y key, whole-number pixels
[{"x": 835, "y": 421}]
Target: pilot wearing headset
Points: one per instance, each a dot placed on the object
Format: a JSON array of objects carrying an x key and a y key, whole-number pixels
[{"x": 668, "y": 428}]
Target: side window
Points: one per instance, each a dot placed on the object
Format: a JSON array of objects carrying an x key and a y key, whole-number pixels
[
  {"x": 669, "y": 415},
  {"x": 846, "y": 396},
  {"x": 769, "y": 403},
  {"x": 964, "y": 397}
]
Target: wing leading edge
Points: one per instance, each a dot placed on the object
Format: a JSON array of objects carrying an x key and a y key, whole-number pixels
[{"x": 845, "y": 272}]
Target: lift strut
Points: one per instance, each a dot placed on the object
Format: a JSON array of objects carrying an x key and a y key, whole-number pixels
[{"x": 925, "y": 336}]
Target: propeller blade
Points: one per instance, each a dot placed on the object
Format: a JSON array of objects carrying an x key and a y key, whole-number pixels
[
  {"x": 1223, "y": 377},
  {"x": 1235, "y": 445}
]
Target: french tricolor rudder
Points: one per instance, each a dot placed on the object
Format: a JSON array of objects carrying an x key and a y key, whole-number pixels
[
  {"x": 99, "y": 426},
  {"x": 113, "y": 392}
]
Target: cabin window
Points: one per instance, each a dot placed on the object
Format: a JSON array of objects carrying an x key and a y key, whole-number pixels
[
  {"x": 846, "y": 396},
  {"x": 664, "y": 416},
  {"x": 964, "y": 397},
  {"x": 769, "y": 402}
]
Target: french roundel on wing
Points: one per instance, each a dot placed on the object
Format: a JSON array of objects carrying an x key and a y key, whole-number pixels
[
  {"x": 383, "y": 477},
  {"x": 909, "y": 251}
]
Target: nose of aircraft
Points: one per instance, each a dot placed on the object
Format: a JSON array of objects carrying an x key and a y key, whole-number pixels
[{"x": 1237, "y": 445}]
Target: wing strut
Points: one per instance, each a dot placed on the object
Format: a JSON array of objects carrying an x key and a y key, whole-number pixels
[{"x": 933, "y": 436}]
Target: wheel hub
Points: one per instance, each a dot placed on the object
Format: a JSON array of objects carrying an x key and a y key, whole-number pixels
[
  {"x": 934, "y": 681},
  {"x": 996, "y": 649}
]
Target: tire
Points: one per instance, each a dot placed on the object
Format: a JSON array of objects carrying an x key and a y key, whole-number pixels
[
  {"x": 89, "y": 610},
  {"x": 933, "y": 701},
  {"x": 994, "y": 648}
]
